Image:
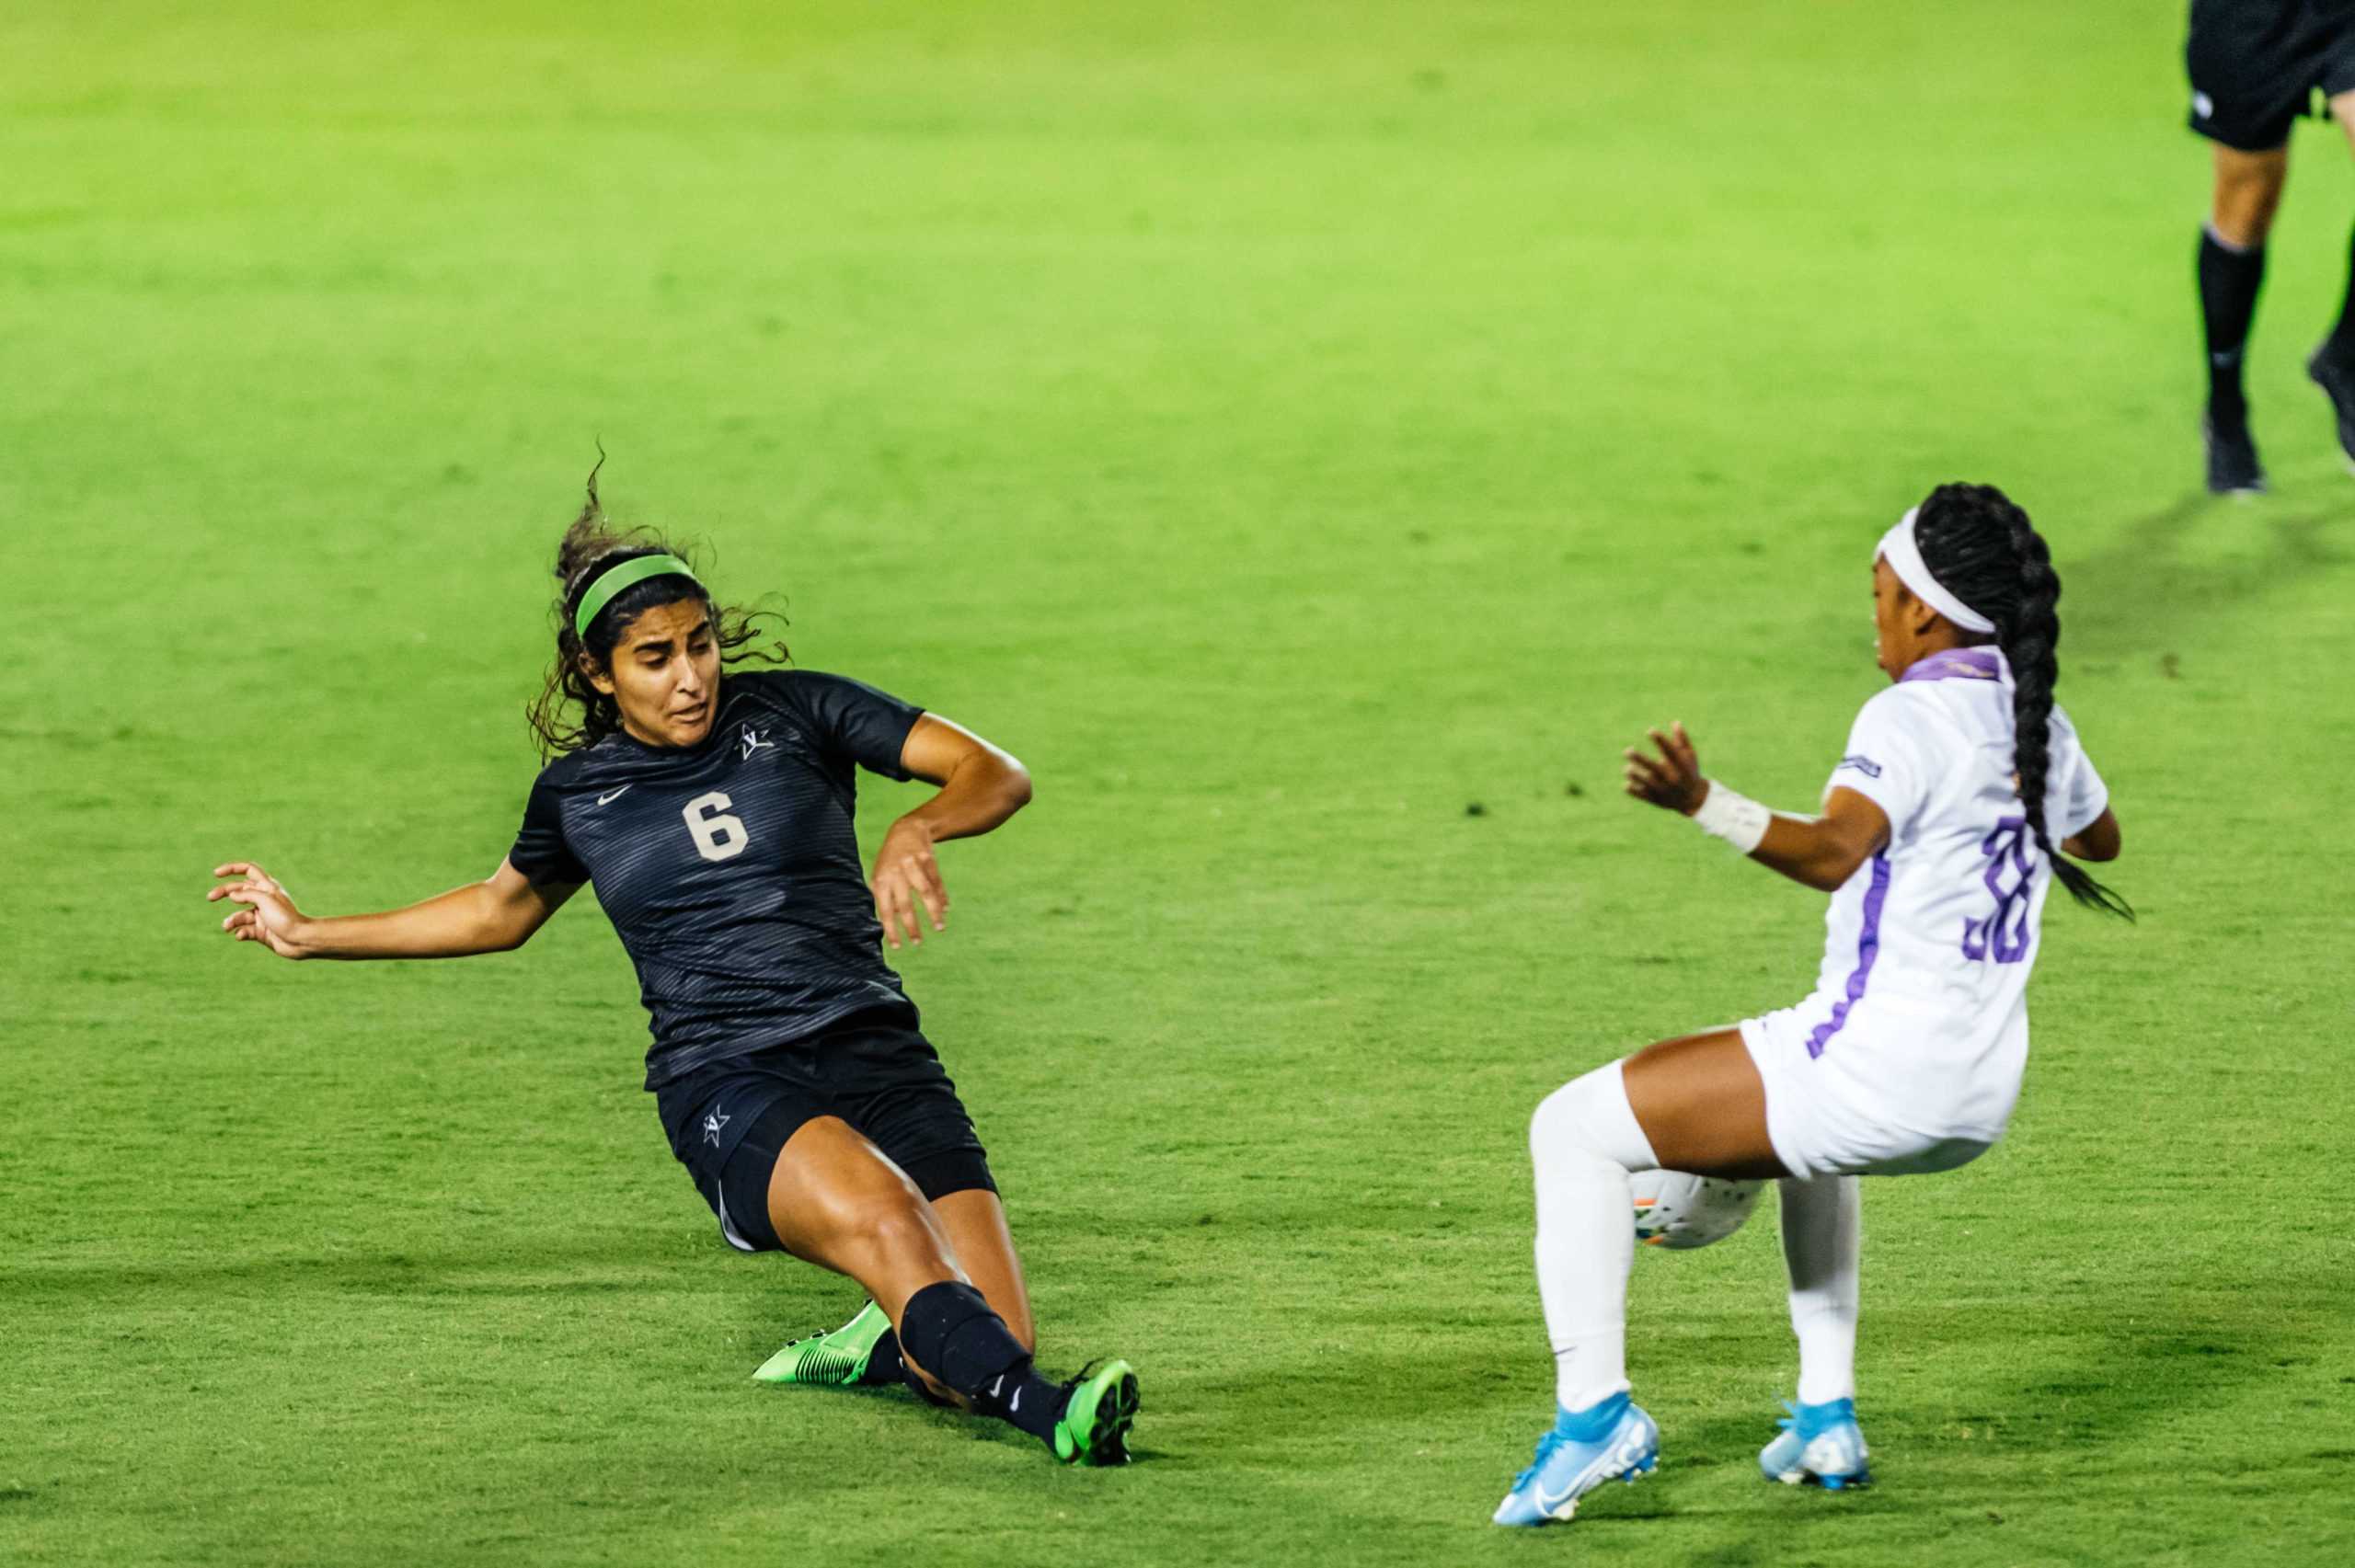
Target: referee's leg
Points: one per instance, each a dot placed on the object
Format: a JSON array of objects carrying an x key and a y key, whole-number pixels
[
  {"x": 2232, "y": 271},
  {"x": 2332, "y": 364},
  {"x": 2248, "y": 192}
]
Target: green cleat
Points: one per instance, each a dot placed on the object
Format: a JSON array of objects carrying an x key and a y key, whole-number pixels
[
  {"x": 1094, "y": 1427},
  {"x": 834, "y": 1360}
]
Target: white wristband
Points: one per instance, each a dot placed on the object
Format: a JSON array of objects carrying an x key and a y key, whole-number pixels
[{"x": 1737, "y": 819}]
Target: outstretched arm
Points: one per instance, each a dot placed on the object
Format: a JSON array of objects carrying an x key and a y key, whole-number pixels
[
  {"x": 490, "y": 916},
  {"x": 980, "y": 786},
  {"x": 1819, "y": 852}
]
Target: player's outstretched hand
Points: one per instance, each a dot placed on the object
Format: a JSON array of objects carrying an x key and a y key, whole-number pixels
[
  {"x": 272, "y": 919},
  {"x": 1673, "y": 779},
  {"x": 906, "y": 879}
]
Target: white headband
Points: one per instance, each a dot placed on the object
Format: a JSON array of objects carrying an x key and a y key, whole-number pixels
[{"x": 1904, "y": 558}]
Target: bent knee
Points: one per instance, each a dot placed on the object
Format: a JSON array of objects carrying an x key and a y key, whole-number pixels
[
  {"x": 1554, "y": 1121},
  {"x": 2248, "y": 193},
  {"x": 885, "y": 1230},
  {"x": 1590, "y": 1122},
  {"x": 898, "y": 1233},
  {"x": 2243, "y": 225},
  {"x": 1573, "y": 1117}
]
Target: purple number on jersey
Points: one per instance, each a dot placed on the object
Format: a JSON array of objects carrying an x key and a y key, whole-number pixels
[{"x": 2011, "y": 869}]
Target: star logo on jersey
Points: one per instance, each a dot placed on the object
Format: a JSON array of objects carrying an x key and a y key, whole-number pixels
[
  {"x": 712, "y": 1122},
  {"x": 753, "y": 742}
]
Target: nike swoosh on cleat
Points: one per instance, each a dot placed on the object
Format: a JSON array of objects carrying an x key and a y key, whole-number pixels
[{"x": 1624, "y": 1458}]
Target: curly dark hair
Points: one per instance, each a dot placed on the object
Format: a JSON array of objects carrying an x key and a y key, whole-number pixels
[
  {"x": 588, "y": 547},
  {"x": 1980, "y": 546}
]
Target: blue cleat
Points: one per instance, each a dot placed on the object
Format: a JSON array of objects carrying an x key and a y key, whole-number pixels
[
  {"x": 1820, "y": 1443},
  {"x": 1585, "y": 1448}
]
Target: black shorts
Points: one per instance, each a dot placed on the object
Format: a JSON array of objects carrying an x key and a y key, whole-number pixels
[
  {"x": 2256, "y": 64},
  {"x": 729, "y": 1119}
]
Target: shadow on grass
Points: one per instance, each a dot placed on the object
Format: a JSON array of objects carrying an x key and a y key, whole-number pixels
[
  {"x": 1951, "y": 1454},
  {"x": 618, "y": 1262},
  {"x": 779, "y": 1288},
  {"x": 2140, "y": 591},
  {"x": 2073, "y": 1392}
]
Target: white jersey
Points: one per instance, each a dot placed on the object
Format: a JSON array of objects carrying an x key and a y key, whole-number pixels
[{"x": 1917, "y": 1029}]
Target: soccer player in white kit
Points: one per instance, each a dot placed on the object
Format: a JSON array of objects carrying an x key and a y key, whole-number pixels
[{"x": 1938, "y": 844}]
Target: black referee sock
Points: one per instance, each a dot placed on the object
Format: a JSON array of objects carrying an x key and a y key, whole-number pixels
[
  {"x": 2229, "y": 280},
  {"x": 951, "y": 1331},
  {"x": 2340, "y": 347}
]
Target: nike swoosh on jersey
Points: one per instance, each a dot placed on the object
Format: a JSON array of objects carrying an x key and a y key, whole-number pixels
[{"x": 615, "y": 796}]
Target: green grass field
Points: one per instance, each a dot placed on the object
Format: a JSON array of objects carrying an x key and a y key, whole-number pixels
[{"x": 1315, "y": 438}]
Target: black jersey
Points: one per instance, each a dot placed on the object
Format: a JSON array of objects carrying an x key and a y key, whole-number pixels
[{"x": 730, "y": 868}]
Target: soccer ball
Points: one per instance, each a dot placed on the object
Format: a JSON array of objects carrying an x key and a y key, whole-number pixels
[{"x": 1674, "y": 1209}]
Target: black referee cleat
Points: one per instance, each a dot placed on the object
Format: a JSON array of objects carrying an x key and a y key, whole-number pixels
[
  {"x": 2339, "y": 382},
  {"x": 2233, "y": 467}
]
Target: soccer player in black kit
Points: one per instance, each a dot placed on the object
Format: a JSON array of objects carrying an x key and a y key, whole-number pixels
[
  {"x": 2255, "y": 66},
  {"x": 712, "y": 807}
]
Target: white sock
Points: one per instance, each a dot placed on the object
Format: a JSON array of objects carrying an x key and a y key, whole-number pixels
[
  {"x": 1583, "y": 1141},
  {"x": 1822, "y": 1234}
]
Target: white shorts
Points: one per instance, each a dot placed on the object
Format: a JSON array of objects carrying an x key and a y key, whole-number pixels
[{"x": 1891, "y": 1093}]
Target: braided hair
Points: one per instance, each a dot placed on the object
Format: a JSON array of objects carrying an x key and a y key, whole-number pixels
[
  {"x": 1982, "y": 548},
  {"x": 591, "y": 546}
]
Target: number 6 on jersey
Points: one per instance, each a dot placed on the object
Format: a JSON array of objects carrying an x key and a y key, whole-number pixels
[{"x": 716, "y": 835}]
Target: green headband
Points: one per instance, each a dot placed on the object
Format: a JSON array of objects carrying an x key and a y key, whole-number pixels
[{"x": 629, "y": 574}]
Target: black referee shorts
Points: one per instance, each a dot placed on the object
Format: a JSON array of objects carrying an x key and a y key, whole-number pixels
[
  {"x": 2256, "y": 64},
  {"x": 729, "y": 1119}
]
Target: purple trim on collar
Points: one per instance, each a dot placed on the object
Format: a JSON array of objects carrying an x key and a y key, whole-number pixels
[{"x": 1956, "y": 664}]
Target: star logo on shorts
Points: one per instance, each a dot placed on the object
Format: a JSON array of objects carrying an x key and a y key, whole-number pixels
[
  {"x": 753, "y": 742},
  {"x": 712, "y": 1122}
]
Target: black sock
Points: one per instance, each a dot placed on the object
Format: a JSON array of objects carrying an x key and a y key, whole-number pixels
[
  {"x": 1026, "y": 1400},
  {"x": 2340, "y": 347},
  {"x": 2228, "y": 285},
  {"x": 950, "y": 1331},
  {"x": 883, "y": 1363}
]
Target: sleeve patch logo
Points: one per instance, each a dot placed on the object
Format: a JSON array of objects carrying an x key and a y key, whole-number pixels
[{"x": 1862, "y": 763}]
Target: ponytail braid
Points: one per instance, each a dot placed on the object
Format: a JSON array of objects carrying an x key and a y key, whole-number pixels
[{"x": 1985, "y": 549}]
